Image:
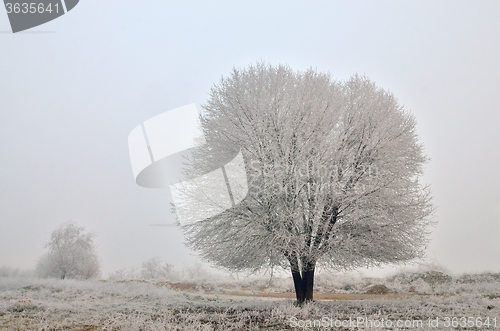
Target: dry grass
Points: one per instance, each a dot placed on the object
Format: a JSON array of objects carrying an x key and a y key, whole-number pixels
[{"x": 34, "y": 304}]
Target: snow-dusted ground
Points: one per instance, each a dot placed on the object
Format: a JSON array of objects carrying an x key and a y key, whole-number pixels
[{"x": 35, "y": 304}]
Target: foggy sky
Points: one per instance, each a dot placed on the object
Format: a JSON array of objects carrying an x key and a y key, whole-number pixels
[{"x": 71, "y": 91}]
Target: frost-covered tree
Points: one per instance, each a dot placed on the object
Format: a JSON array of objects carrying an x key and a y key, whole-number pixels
[
  {"x": 71, "y": 254},
  {"x": 333, "y": 173},
  {"x": 155, "y": 268}
]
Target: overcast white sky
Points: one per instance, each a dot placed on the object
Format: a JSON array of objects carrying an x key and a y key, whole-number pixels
[{"x": 71, "y": 91}]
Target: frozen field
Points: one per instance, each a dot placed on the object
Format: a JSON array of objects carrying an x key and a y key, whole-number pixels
[{"x": 419, "y": 300}]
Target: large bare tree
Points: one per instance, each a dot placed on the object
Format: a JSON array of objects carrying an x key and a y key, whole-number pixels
[{"x": 333, "y": 173}]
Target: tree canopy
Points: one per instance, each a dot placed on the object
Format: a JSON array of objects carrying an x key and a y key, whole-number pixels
[{"x": 333, "y": 172}]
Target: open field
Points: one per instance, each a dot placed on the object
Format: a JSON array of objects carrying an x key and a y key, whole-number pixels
[{"x": 36, "y": 304}]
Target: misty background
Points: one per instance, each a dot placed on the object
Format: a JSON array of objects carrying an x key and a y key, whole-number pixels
[{"x": 71, "y": 91}]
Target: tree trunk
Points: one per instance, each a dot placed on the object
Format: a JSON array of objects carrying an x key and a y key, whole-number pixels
[
  {"x": 299, "y": 290},
  {"x": 303, "y": 281},
  {"x": 308, "y": 283}
]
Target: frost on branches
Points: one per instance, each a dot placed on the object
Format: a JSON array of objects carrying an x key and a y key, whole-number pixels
[
  {"x": 333, "y": 175},
  {"x": 71, "y": 254}
]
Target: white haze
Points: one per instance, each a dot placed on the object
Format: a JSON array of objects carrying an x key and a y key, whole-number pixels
[{"x": 71, "y": 91}]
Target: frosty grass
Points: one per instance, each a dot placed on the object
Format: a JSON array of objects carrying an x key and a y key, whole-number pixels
[{"x": 41, "y": 304}]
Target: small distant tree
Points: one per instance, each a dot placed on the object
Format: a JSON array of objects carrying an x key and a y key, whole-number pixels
[
  {"x": 71, "y": 254},
  {"x": 155, "y": 268}
]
